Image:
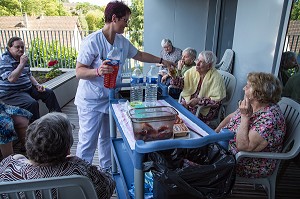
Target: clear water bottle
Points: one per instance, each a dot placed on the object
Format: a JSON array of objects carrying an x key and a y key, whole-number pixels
[
  {"x": 114, "y": 56},
  {"x": 136, "y": 87},
  {"x": 151, "y": 87}
]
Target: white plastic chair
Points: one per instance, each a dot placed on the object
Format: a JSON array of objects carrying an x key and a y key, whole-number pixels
[
  {"x": 291, "y": 111},
  {"x": 226, "y": 61},
  {"x": 75, "y": 187}
]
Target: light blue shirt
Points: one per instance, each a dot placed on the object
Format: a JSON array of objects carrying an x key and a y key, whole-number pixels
[{"x": 91, "y": 94}]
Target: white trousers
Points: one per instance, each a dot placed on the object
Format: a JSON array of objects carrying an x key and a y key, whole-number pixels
[{"x": 93, "y": 129}]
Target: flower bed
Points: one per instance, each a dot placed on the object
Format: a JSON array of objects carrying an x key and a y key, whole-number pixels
[{"x": 64, "y": 87}]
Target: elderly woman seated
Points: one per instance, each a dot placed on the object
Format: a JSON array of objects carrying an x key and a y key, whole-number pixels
[
  {"x": 202, "y": 85},
  {"x": 258, "y": 124},
  {"x": 187, "y": 61},
  {"x": 13, "y": 124},
  {"x": 48, "y": 143}
]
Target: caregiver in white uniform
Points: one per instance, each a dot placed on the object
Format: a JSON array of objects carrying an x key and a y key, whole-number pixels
[{"x": 92, "y": 97}]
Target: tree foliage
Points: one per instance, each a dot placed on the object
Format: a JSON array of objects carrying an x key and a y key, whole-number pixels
[
  {"x": 136, "y": 26},
  {"x": 85, "y": 7},
  {"x": 295, "y": 15},
  {"x": 94, "y": 20},
  {"x": 10, "y": 8},
  {"x": 43, "y": 52},
  {"x": 32, "y": 8}
]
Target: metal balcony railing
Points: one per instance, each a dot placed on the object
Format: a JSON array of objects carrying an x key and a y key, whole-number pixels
[{"x": 45, "y": 45}]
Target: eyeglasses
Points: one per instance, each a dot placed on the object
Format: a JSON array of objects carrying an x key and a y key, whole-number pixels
[
  {"x": 18, "y": 47},
  {"x": 127, "y": 21}
]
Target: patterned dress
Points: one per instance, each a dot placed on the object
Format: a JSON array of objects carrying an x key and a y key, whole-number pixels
[
  {"x": 205, "y": 101},
  {"x": 270, "y": 124},
  {"x": 7, "y": 130},
  {"x": 17, "y": 167}
]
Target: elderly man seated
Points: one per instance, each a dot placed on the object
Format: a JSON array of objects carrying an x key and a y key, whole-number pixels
[{"x": 18, "y": 87}]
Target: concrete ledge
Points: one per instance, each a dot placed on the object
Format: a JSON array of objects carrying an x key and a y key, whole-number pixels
[{"x": 64, "y": 87}]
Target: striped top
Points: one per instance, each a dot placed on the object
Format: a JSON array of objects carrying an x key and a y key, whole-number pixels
[
  {"x": 7, "y": 65},
  {"x": 18, "y": 167}
]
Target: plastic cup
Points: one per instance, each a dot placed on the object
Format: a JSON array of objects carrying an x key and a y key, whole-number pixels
[{"x": 110, "y": 79}]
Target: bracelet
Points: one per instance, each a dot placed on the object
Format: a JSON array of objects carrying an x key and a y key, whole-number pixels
[
  {"x": 98, "y": 74},
  {"x": 161, "y": 59}
]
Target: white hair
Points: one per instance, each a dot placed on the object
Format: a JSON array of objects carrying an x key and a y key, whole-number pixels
[{"x": 166, "y": 42}]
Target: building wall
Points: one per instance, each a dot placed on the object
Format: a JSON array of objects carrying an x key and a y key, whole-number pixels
[
  {"x": 258, "y": 32},
  {"x": 258, "y": 39},
  {"x": 183, "y": 22}
]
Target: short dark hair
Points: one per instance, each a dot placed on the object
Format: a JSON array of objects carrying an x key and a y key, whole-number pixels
[
  {"x": 49, "y": 139},
  {"x": 116, "y": 7},
  {"x": 12, "y": 40},
  {"x": 286, "y": 58}
]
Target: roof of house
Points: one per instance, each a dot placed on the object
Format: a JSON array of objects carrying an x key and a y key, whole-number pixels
[
  {"x": 46, "y": 28},
  {"x": 293, "y": 36},
  {"x": 39, "y": 23}
]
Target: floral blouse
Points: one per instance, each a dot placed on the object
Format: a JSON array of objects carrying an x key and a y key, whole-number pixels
[{"x": 269, "y": 122}]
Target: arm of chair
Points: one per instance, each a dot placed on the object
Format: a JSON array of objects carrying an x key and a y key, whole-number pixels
[
  {"x": 199, "y": 107},
  {"x": 271, "y": 155}
]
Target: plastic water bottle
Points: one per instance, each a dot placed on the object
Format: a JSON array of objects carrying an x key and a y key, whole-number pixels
[
  {"x": 151, "y": 87},
  {"x": 136, "y": 87},
  {"x": 114, "y": 56}
]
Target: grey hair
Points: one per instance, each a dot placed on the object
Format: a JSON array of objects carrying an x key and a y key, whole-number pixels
[
  {"x": 209, "y": 57},
  {"x": 266, "y": 88},
  {"x": 191, "y": 51},
  {"x": 166, "y": 41},
  {"x": 49, "y": 139}
]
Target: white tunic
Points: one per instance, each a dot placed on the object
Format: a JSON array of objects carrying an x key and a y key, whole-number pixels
[{"x": 91, "y": 94}]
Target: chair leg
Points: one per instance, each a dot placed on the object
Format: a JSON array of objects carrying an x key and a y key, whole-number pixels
[
  {"x": 272, "y": 187},
  {"x": 297, "y": 160},
  {"x": 284, "y": 167}
]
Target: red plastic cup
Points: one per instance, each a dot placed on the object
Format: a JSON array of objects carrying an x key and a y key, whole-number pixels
[{"x": 110, "y": 79}]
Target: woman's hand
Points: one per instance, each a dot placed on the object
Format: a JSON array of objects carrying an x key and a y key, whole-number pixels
[
  {"x": 183, "y": 103},
  {"x": 193, "y": 102},
  {"x": 180, "y": 64},
  {"x": 104, "y": 68},
  {"x": 245, "y": 108},
  {"x": 168, "y": 64}
]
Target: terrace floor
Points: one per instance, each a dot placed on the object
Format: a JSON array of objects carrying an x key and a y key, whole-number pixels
[{"x": 288, "y": 186}]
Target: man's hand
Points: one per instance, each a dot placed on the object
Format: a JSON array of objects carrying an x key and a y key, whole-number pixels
[
  {"x": 40, "y": 88},
  {"x": 23, "y": 60},
  {"x": 164, "y": 78}
]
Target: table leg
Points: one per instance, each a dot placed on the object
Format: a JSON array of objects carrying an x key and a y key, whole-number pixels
[
  {"x": 139, "y": 180},
  {"x": 113, "y": 134}
]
